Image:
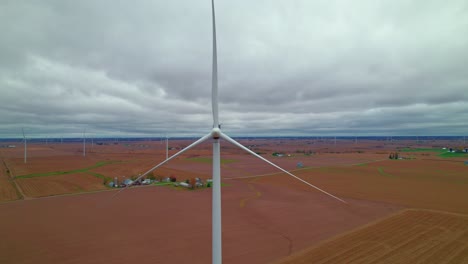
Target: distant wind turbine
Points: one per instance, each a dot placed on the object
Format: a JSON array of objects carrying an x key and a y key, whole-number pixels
[
  {"x": 25, "y": 147},
  {"x": 167, "y": 147},
  {"x": 215, "y": 135},
  {"x": 84, "y": 142}
]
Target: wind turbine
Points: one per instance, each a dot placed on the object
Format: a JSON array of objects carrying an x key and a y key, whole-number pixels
[
  {"x": 84, "y": 142},
  {"x": 25, "y": 147},
  {"x": 216, "y": 134},
  {"x": 167, "y": 147}
]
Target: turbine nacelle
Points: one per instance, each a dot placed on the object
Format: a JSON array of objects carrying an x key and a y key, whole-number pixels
[{"x": 216, "y": 133}]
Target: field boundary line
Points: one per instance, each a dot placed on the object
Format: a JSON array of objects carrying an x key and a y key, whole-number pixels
[
  {"x": 11, "y": 179},
  {"x": 257, "y": 194},
  {"x": 440, "y": 212}
]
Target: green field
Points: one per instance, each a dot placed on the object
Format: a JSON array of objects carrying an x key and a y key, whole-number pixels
[
  {"x": 423, "y": 150},
  {"x": 453, "y": 155},
  {"x": 442, "y": 152}
]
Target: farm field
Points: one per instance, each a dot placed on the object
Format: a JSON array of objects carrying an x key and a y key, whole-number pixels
[
  {"x": 55, "y": 169},
  {"x": 8, "y": 191},
  {"x": 267, "y": 215},
  {"x": 431, "y": 184},
  {"x": 157, "y": 224},
  {"x": 60, "y": 184},
  {"x": 412, "y": 236}
]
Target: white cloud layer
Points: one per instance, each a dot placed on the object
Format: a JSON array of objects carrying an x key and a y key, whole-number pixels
[{"x": 285, "y": 67}]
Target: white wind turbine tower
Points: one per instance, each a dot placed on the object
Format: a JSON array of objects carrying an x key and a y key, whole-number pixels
[
  {"x": 25, "y": 147},
  {"x": 84, "y": 142},
  {"x": 215, "y": 135},
  {"x": 167, "y": 147}
]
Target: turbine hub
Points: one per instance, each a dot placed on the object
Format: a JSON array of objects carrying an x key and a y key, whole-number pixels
[{"x": 216, "y": 133}]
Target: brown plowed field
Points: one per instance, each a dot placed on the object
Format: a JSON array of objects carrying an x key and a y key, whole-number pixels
[
  {"x": 60, "y": 184},
  {"x": 7, "y": 189},
  {"x": 434, "y": 184},
  {"x": 412, "y": 236},
  {"x": 49, "y": 164},
  {"x": 266, "y": 216},
  {"x": 159, "y": 224}
]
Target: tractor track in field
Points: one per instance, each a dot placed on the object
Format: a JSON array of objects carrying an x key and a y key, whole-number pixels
[{"x": 257, "y": 194}]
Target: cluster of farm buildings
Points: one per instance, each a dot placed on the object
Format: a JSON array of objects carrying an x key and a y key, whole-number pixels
[{"x": 192, "y": 183}]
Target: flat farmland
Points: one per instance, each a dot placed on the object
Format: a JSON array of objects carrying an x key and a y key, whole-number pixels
[
  {"x": 431, "y": 184},
  {"x": 412, "y": 236},
  {"x": 60, "y": 184},
  {"x": 136, "y": 167},
  {"x": 8, "y": 191},
  {"x": 166, "y": 225},
  {"x": 267, "y": 215},
  {"x": 244, "y": 164},
  {"x": 42, "y": 164}
]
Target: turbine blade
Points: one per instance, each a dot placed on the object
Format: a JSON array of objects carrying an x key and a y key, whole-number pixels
[
  {"x": 24, "y": 137},
  {"x": 171, "y": 157},
  {"x": 214, "y": 76},
  {"x": 232, "y": 141}
]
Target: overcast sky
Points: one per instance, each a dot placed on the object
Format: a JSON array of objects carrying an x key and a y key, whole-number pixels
[{"x": 301, "y": 67}]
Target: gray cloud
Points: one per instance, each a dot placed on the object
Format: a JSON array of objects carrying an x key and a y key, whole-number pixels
[{"x": 285, "y": 68}]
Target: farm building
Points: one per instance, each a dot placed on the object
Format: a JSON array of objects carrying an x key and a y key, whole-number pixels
[
  {"x": 128, "y": 182},
  {"x": 184, "y": 184}
]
